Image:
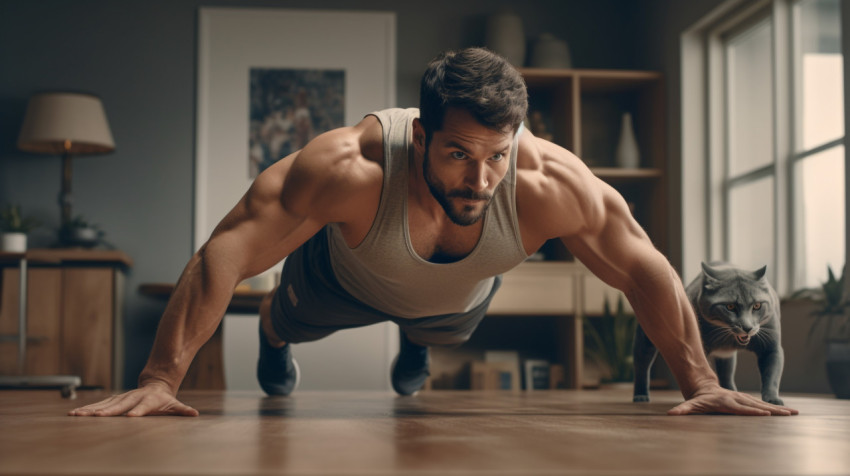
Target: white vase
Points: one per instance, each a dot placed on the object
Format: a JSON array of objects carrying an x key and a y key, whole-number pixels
[
  {"x": 628, "y": 155},
  {"x": 550, "y": 52},
  {"x": 13, "y": 242},
  {"x": 504, "y": 35}
]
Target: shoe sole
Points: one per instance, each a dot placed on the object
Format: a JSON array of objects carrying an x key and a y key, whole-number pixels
[{"x": 297, "y": 374}]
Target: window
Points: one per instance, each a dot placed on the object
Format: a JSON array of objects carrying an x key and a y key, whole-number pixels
[
  {"x": 763, "y": 111},
  {"x": 748, "y": 166}
]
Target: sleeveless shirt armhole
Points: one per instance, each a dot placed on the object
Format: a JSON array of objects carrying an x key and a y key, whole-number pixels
[
  {"x": 384, "y": 119},
  {"x": 386, "y": 147},
  {"x": 515, "y": 218}
]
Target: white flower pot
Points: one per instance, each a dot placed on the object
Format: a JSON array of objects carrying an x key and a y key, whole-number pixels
[{"x": 13, "y": 242}]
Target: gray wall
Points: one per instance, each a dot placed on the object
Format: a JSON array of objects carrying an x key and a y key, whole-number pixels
[{"x": 139, "y": 56}]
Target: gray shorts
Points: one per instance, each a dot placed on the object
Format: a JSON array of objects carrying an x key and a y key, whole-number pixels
[{"x": 310, "y": 304}]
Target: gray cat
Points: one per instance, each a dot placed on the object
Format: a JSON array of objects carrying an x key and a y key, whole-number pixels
[{"x": 736, "y": 309}]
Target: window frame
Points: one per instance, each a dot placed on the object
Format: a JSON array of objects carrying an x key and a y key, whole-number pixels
[{"x": 704, "y": 140}]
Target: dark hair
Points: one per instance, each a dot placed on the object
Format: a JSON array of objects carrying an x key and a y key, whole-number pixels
[{"x": 476, "y": 80}]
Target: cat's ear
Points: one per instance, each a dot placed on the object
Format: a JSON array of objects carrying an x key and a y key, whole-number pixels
[
  {"x": 709, "y": 271},
  {"x": 759, "y": 273},
  {"x": 711, "y": 282}
]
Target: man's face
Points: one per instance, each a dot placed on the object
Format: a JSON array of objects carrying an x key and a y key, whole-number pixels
[{"x": 464, "y": 163}]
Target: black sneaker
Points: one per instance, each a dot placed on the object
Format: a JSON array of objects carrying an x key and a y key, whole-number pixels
[
  {"x": 277, "y": 371},
  {"x": 410, "y": 367}
]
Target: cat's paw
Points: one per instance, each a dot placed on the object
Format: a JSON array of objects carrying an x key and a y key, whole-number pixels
[
  {"x": 640, "y": 398},
  {"x": 773, "y": 400}
]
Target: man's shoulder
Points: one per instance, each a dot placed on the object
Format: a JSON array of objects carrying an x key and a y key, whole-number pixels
[
  {"x": 342, "y": 166},
  {"x": 358, "y": 146},
  {"x": 555, "y": 188},
  {"x": 544, "y": 167}
]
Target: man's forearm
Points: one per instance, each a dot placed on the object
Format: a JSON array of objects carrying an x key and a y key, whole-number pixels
[
  {"x": 191, "y": 317},
  {"x": 667, "y": 318}
]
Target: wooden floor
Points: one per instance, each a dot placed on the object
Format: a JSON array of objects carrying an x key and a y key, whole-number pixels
[{"x": 440, "y": 433}]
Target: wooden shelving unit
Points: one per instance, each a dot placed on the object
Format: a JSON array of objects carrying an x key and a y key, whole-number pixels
[{"x": 582, "y": 111}]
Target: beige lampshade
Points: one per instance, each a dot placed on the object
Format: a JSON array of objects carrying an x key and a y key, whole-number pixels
[{"x": 57, "y": 120}]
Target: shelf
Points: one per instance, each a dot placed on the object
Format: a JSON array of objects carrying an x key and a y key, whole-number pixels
[
  {"x": 619, "y": 176},
  {"x": 592, "y": 80},
  {"x": 58, "y": 256}
]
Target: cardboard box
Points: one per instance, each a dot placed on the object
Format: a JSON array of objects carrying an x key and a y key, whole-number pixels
[{"x": 494, "y": 376}]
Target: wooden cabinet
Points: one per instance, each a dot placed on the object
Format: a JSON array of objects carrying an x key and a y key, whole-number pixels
[{"x": 73, "y": 314}]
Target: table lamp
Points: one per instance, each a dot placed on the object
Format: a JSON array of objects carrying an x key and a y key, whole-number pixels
[{"x": 66, "y": 124}]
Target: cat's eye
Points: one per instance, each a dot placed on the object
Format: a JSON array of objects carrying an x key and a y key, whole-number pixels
[
  {"x": 757, "y": 306},
  {"x": 731, "y": 307}
]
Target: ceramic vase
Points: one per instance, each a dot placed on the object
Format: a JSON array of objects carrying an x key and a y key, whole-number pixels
[
  {"x": 504, "y": 35},
  {"x": 628, "y": 155},
  {"x": 13, "y": 242},
  {"x": 550, "y": 52}
]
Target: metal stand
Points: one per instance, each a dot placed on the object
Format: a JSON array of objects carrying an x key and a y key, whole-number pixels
[{"x": 66, "y": 383}]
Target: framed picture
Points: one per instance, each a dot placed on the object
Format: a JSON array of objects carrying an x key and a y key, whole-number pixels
[{"x": 269, "y": 80}]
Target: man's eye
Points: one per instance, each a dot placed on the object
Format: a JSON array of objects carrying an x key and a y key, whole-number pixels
[
  {"x": 497, "y": 157},
  {"x": 458, "y": 155}
]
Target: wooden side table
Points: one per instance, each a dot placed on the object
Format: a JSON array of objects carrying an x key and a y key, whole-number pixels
[{"x": 63, "y": 317}]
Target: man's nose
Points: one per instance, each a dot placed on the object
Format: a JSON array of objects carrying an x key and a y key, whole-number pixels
[{"x": 476, "y": 176}]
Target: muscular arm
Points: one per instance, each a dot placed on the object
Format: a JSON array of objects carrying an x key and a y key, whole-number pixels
[
  {"x": 252, "y": 237},
  {"x": 594, "y": 222},
  {"x": 328, "y": 181}
]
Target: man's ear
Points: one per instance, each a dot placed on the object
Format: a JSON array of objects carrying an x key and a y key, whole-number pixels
[{"x": 418, "y": 136}]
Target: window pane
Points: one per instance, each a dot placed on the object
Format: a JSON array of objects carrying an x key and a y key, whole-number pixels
[
  {"x": 819, "y": 216},
  {"x": 749, "y": 102},
  {"x": 750, "y": 230},
  {"x": 820, "y": 76}
]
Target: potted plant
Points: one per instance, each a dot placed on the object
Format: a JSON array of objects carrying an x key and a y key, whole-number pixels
[
  {"x": 79, "y": 232},
  {"x": 608, "y": 341},
  {"x": 14, "y": 228},
  {"x": 832, "y": 320}
]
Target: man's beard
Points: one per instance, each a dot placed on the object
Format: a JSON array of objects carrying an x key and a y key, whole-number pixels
[{"x": 466, "y": 215}]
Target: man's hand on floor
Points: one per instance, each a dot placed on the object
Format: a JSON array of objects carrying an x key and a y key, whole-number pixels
[
  {"x": 716, "y": 399},
  {"x": 151, "y": 399}
]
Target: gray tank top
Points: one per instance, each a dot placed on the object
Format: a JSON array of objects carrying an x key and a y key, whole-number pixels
[{"x": 385, "y": 272}]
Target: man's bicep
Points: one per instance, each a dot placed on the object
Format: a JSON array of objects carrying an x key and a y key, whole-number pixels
[
  {"x": 612, "y": 244},
  {"x": 259, "y": 231}
]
